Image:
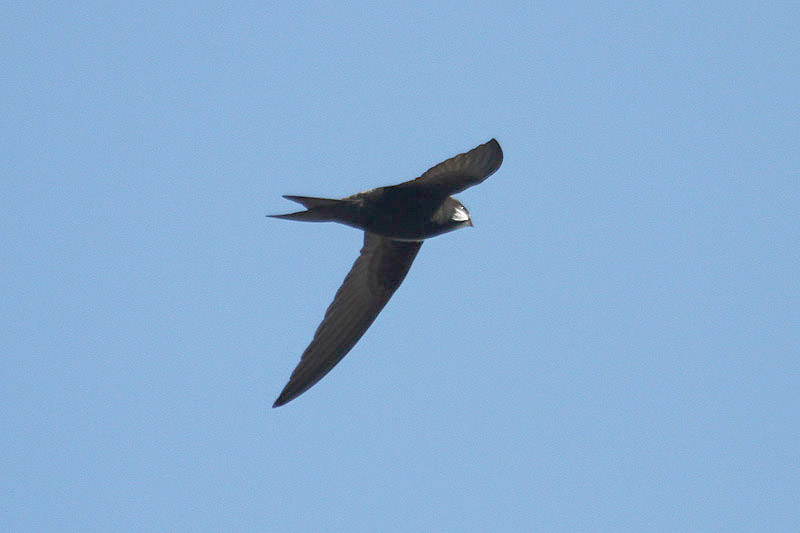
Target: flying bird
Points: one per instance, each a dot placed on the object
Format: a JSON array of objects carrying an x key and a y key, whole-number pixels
[{"x": 395, "y": 219}]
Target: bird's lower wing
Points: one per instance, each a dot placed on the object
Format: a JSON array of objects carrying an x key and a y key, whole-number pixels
[{"x": 375, "y": 276}]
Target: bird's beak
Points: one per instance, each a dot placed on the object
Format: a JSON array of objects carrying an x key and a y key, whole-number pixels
[{"x": 471, "y": 225}]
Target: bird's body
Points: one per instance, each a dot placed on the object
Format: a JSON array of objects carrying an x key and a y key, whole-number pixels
[
  {"x": 397, "y": 213},
  {"x": 395, "y": 219}
]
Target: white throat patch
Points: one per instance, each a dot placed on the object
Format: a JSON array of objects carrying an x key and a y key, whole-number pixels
[{"x": 460, "y": 215}]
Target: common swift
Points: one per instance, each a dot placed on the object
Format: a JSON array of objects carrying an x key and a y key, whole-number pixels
[{"x": 395, "y": 219}]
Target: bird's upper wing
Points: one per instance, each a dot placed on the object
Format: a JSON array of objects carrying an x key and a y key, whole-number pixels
[
  {"x": 375, "y": 276},
  {"x": 461, "y": 171}
]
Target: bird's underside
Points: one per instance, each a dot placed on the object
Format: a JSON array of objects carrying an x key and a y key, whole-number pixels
[{"x": 384, "y": 261}]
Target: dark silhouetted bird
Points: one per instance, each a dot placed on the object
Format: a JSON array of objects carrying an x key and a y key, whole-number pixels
[{"x": 395, "y": 220}]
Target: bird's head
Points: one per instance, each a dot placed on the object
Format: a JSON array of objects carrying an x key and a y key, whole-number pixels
[
  {"x": 455, "y": 215},
  {"x": 450, "y": 216},
  {"x": 460, "y": 215}
]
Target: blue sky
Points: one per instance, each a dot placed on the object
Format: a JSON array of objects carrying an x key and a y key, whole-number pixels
[{"x": 613, "y": 347}]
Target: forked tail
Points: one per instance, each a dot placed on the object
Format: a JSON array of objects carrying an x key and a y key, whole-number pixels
[{"x": 319, "y": 209}]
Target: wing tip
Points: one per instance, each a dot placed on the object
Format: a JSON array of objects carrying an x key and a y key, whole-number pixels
[
  {"x": 292, "y": 390},
  {"x": 498, "y": 151},
  {"x": 283, "y": 399}
]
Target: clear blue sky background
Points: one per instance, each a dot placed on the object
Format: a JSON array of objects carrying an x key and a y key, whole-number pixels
[{"x": 614, "y": 346}]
